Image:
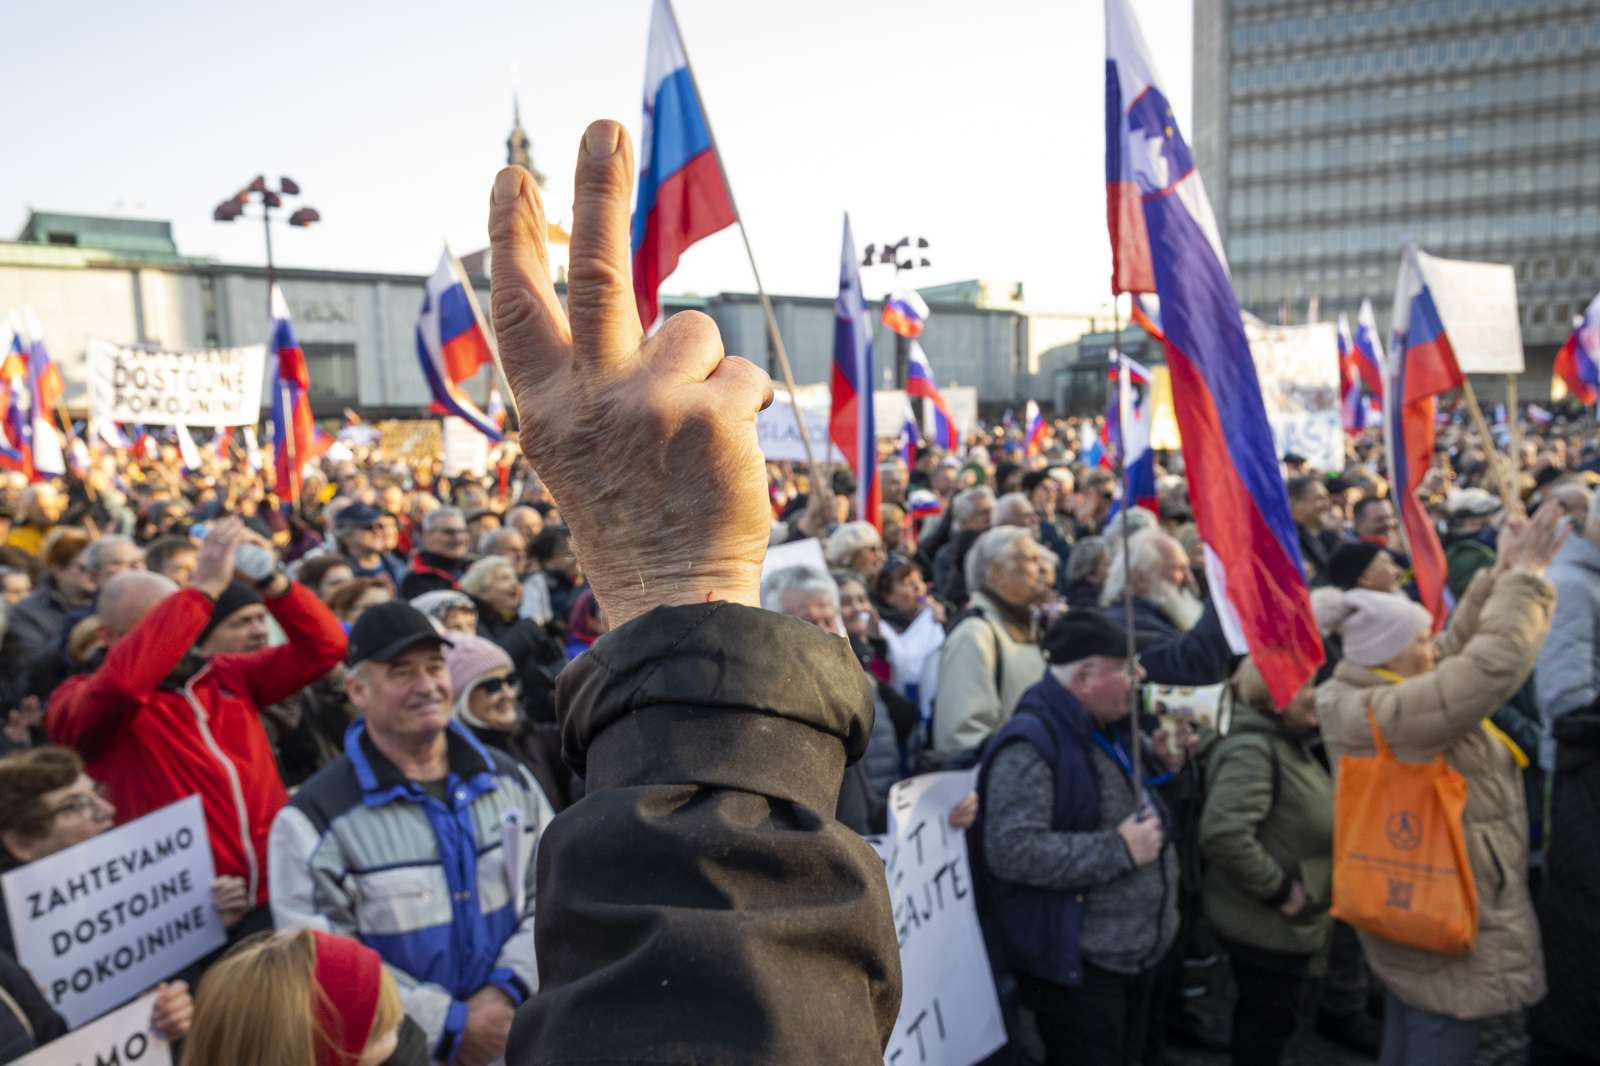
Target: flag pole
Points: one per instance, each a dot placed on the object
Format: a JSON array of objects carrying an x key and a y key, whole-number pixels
[
  {"x": 1513, "y": 428},
  {"x": 1127, "y": 585},
  {"x": 1508, "y": 492},
  {"x": 817, "y": 478}
]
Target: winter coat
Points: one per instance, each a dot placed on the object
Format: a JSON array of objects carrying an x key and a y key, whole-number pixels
[
  {"x": 968, "y": 708},
  {"x": 950, "y": 567},
  {"x": 27, "y": 1021},
  {"x": 1568, "y": 677},
  {"x": 431, "y": 573},
  {"x": 151, "y": 743},
  {"x": 1267, "y": 823},
  {"x": 36, "y": 625},
  {"x": 1171, "y": 656},
  {"x": 699, "y": 905},
  {"x": 1490, "y": 647}
]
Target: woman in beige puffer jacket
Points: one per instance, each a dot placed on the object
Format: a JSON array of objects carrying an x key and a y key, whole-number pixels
[{"x": 1431, "y": 696}]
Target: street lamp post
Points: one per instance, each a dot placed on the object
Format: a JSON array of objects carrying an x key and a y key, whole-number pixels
[
  {"x": 904, "y": 254},
  {"x": 269, "y": 199}
]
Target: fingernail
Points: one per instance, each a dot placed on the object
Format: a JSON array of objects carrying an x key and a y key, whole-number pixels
[
  {"x": 507, "y": 184},
  {"x": 600, "y": 140}
]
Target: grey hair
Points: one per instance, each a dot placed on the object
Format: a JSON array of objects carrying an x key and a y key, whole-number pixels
[
  {"x": 1011, "y": 507},
  {"x": 1085, "y": 556},
  {"x": 436, "y": 517},
  {"x": 476, "y": 580},
  {"x": 849, "y": 539},
  {"x": 488, "y": 544},
  {"x": 987, "y": 549},
  {"x": 95, "y": 555},
  {"x": 1144, "y": 553},
  {"x": 1135, "y": 518},
  {"x": 796, "y": 579},
  {"x": 967, "y": 501},
  {"x": 441, "y": 602}
]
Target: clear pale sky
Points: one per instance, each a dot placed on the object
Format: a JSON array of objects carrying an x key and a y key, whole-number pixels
[{"x": 977, "y": 125}]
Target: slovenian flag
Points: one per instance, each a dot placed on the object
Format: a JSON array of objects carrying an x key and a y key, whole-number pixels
[
  {"x": 910, "y": 439},
  {"x": 941, "y": 424},
  {"x": 850, "y": 423},
  {"x": 1422, "y": 364},
  {"x": 905, "y": 313},
  {"x": 292, "y": 427},
  {"x": 453, "y": 344},
  {"x": 1578, "y": 361},
  {"x": 1351, "y": 411},
  {"x": 16, "y": 429},
  {"x": 683, "y": 194},
  {"x": 1164, "y": 239},
  {"x": 1128, "y": 430},
  {"x": 1369, "y": 350},
  {"x": 1036, "y": 429},
  {"x": 1092, "y": 446}
]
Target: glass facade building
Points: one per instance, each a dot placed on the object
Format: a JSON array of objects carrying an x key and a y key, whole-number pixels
[{"x": 1329, "y": 132}]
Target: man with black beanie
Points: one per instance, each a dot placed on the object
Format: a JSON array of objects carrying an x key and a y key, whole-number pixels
[
  {"x": 1364, "y": 565},
  {"x": 1079, "y": 875}
]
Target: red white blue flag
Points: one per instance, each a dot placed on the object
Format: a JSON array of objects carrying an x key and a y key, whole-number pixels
[
  {"x": 850, "y": 424},
  {"x": 939, "y": 422},
  {"x": 905, "y": 313},
  {"x": 910, "y": 437},
  {"x": 683, "y": 194},
  {"x": 1128, "y": 430},
  {"x": 292, "y": 427},
  {"x": 1578, "y": 361},
  {"x": 1422, "y": 364},
  {"x": 1368, "y": 350},
  {"x": 1352, "y": 413},
  {"x": 1035, "y": 429},
  {"x": 453, "y": 344},
  {"x": 1164, "y": 239}
]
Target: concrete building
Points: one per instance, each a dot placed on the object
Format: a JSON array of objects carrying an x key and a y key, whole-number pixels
[{"x": 1330, "y": 132}]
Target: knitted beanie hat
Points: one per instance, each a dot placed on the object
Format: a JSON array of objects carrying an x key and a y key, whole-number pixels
[
  {"x": 1373, "y": 626},
  {"x": 469, "y": 659},
  {"x": 347, "y": 977}
]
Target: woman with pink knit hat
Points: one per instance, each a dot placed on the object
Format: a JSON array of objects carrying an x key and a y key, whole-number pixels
[
  {"x": 1434, "y": 695},
  {"x": 487, "y": 700}
]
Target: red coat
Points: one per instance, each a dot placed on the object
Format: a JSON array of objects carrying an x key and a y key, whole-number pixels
[{"x": 151, "y": 746}]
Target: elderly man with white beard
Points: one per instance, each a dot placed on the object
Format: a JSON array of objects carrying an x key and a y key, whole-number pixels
[{"x": 1179, "y": 634}]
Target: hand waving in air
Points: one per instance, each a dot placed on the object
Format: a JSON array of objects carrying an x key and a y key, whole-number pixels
[{"x": 648, "y": 445}]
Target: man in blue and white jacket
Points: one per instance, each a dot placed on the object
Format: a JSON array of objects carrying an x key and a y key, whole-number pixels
[{"x": 420, "y": 843}]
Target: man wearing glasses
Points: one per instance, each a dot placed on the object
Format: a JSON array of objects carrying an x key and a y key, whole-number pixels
[
  {"x": 443, "y": 557},
  {"x": 361, "y": 543}
]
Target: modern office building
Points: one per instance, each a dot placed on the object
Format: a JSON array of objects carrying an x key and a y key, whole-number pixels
[{"x": 1331, "y": 131}]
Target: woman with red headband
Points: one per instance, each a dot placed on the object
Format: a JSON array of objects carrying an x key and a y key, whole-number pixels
[{"x": 302, "y": 998}]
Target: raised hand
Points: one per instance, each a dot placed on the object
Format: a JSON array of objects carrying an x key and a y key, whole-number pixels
[
  {"x": 648, "y": 445},
  {"x": 213, "y": 567},
  {"x": 1530, "y": 544}
]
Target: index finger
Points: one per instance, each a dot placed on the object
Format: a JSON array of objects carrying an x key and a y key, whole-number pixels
[{"x": 600, "y": 294}]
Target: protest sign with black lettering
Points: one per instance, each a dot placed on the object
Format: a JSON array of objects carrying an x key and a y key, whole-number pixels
[
  {"x": 779, "y": 437},
  {"x": 121, "y": 1038},
  {"x": 106, "y": 919},
  {"x": 949, "y": 1013},
  {"x": 147, "y": 386}
]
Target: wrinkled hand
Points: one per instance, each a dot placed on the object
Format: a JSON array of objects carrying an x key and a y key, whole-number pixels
[
  {"x": 231, "y": 897},
  {"x": 483, "y": 1039},
  {"x": 1144, "y": 836},
  {"x": 1530, "y": 545},
  {"x": 648, "y": 445},
  {"x": 174, "y": 1010},
  {"x": 213, "y": 567},
  {"x": 963, "y": 814}
]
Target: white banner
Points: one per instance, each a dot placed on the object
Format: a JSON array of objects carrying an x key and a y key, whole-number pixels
[
  {"x": 780, "y": 438},
  {"x": 1298, "y": 367},
  {"x": 1477, "y": 302},
  {"x": 106, "y": 919},
  {"x": 146, "y": 386},
  {"x": 121, "y": 1038},
  {"x": 949, "y": 1013},
  {"x": 466, "y": 451}
]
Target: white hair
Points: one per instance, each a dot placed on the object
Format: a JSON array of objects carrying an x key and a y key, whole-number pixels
[
  {"x": 797, "y": 579},
  {"x": 1135, "y": 518},
  {"x": 97, "y": 554},
  {"x": 1085, "y": 556},
  {"x": 1012, "y": 508},
  {"x": 437, "y": 517},
  {"x": 1144, "y": 548},
  {"x": 990, "y": 548},
  {"x": 1068, "y": 674},
  {"x": 476, "y": 580},
  {"x": 968, "y": 501},
  {"x": 849, "y": 539}
]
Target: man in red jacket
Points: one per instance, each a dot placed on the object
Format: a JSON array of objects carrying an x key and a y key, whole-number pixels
[{"x": 158, "y": 721}]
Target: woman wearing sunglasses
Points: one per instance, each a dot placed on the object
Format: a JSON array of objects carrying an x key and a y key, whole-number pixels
[{"x": 487, "y": 699}]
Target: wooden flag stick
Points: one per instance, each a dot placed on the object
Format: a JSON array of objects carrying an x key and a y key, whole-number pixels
[{"x": 1509, "y": 497}]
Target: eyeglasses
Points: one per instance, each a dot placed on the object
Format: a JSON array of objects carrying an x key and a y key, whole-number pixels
[
  {"x": 493, "y": 685},
  {"x": 83, "y": 803},
  {"x": 452, "y": 531}
]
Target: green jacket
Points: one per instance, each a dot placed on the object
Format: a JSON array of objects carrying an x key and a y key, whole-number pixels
[{"x": 1268, "y": 822}]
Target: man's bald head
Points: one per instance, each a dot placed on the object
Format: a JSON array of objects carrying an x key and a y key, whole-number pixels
[{"x": 131, "y": 595}]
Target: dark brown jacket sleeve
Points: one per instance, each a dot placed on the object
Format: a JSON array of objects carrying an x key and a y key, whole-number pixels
[{"x": 700, "y": 904}]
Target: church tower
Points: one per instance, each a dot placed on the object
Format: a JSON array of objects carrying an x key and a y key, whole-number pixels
[{"x": 517, "y": 143}]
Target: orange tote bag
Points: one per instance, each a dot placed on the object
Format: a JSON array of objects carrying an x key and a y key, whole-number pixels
[{"x": 1400, "y": 866}]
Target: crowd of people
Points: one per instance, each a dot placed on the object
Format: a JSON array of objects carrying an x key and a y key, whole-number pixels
[{"x": 387, "y": 689}]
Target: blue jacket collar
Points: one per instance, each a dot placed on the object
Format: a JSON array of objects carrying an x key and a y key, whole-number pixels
[{"x": 471, "y": 766}]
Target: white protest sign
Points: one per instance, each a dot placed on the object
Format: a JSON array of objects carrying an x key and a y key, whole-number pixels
[
  {"x": 209, "y": 387},
  {"x": 963, "y": 403},
  {"x": 1298, "y": 368},
  {"x": 121, "y": 1038},
  {"x": 804, "y": 553},
  {"x": 466, "y": 451},
  {"x": 106, "y": 919},
  {"x": 949, "y": 1013},
  {"x": 1477, "y": 303},
  {"x": 779, "y": 437}
]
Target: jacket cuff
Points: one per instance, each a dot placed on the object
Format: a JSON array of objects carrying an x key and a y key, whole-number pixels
[
  {"x": 455, "y": 1021},
  {"x": 506, "y": 980},
  {"x": 1280, "y": 895}
]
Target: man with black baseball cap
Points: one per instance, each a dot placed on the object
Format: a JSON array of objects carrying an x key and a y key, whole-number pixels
[
  {"x": 1081, "y": 876},
  {"x": 361, "y": 543},
  {"x": 380, "y": 844}
]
